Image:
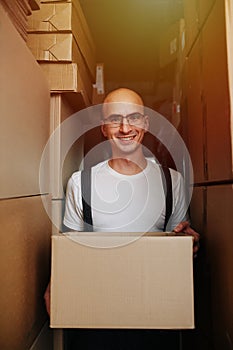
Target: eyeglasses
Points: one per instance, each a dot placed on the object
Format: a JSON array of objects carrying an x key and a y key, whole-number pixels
[{"x": 115, "y": 120}]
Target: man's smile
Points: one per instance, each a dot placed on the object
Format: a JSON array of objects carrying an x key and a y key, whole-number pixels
[{"x": 126, "y": 139}]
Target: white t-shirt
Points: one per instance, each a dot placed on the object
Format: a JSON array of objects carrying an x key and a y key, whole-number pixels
[{"x": 125, "y": 203}]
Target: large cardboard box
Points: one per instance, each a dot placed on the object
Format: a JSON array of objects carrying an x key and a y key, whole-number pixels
[
  {"x": 24, "y": 270},
  {"x": 196, "y": 13},
  {"x": 131, "y": 282},
  {"x": 169, "y": 45},
  {"x": 24, "y": 109},
  {"x": 196, "y": 123},
  {"x": 66, "y": 17},
  {"x": 219, "y": 218},
  {"x": 172, "y": 44},
  {"x": 216, "y": 96}
]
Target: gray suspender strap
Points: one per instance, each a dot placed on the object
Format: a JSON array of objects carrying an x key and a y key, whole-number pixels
[
  {"x": 86, "y": 197},
  {"x": 167, "y": 185}
]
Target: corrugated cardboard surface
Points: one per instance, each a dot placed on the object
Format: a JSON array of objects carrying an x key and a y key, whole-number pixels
[
  {"x": 219, "y": 219},
  {"x": 66, "y": 17},
  {"x": 24, "y": 109},
  {"x": 216, "y": 94},
  {"x": 145, "y": 284},
  {"x": 195, "y": 120},
  {"x": 196, "y": 13},
  {"x": 229, "y": 31},
  {"x": 169, "y": 44},
  {"x": 24, "y": 264},
  {"x": 61, "y": 76},
  {"x": 62, "y": 106},
  {"x": 60, "y": 47}
]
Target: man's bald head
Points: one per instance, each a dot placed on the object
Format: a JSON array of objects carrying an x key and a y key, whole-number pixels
[
  {"x": 122, "y": 101},
  {"x": 124, "y": 95}
]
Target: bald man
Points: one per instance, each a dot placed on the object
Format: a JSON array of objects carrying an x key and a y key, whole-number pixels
[
  {"x": 126, "y": 195},
  {"x": 127, "y": 190}
]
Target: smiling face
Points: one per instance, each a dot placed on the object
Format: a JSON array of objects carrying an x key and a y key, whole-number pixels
[{"x": 125, "y": 137}]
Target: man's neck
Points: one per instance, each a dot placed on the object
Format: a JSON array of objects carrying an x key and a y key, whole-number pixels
[{"x": 128, "y": 165}]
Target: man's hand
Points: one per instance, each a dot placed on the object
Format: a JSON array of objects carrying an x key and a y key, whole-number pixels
[
  {"x": 185, "y": 228},
  {"x": 47, "y": 298}
]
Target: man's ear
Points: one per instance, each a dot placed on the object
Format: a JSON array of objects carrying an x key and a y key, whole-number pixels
[{"x": 103, "y": 127}]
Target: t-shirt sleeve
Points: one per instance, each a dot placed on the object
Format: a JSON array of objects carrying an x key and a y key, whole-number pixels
[
  {"x": 73, "y": 217},
  {"x": 180, "y": 207}
]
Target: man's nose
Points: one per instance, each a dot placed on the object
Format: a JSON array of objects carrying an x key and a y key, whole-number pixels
[{"x": 125, "y": 127}]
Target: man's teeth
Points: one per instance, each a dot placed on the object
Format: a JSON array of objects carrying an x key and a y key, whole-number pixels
[{"x": 127, "y": 138}]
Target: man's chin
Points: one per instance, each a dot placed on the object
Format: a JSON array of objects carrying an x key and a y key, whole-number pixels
[{"x": 127, "y": 148}]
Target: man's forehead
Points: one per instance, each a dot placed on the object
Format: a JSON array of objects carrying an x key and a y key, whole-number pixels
[{"x": 123, "y": 108}]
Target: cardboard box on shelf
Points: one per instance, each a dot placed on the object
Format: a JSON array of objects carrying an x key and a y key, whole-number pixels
[
  {"x": 26, "y": 100},
  {"x": 138, "y": 282},
  {"x": 172, "y": 44},
  {"x": 61, "y": 76},
  {"x": 60, "y": 47},
  {"x": 53, "y": 47},
  {"x": 66, "y": 17},
  {"x": 191, "y": 23}
]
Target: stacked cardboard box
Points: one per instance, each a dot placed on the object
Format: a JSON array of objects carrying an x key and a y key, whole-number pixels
[
  {"x": 25, "y": 243},
  {"x": 61, "y": 42},
  {"x": 62, "y": 106},
  {"x": 208, "y": 120},
  {"x": 19, "y": 11},
  {"x": 172, "y": 53}
]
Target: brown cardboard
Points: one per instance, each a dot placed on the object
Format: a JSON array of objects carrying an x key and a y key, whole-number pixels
[
  {"x": 62, "y": 76},
  {"x": 25, "y": 269},
  {"x": 169, "y": 45},
  {"x": 66, "y": 17},
  {"x": 34, "y": 4},
  {"x": 191, "y": 23},
  {"x": 172, "y": 44},
  {"x": 229, "y": 31},
  {"x": 216, "y": 96},
  {"x": 62, "y": 48},
  {"x": 24, "y": 109},
  {"x": 196, "y": 12},
  {"x": 195, "y": 120},
  {"x": 146, "y": 283},
  {"x": 62, "y": 106},
  {"x": 219, "y": 214},
  {"x": 53, "y": 47}
]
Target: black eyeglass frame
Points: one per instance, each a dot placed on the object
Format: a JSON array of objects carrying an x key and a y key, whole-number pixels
[{"x": 129, "y": 118}]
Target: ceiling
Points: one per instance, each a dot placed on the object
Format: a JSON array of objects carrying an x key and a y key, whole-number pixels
[{"x": 127, "y": 33}]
